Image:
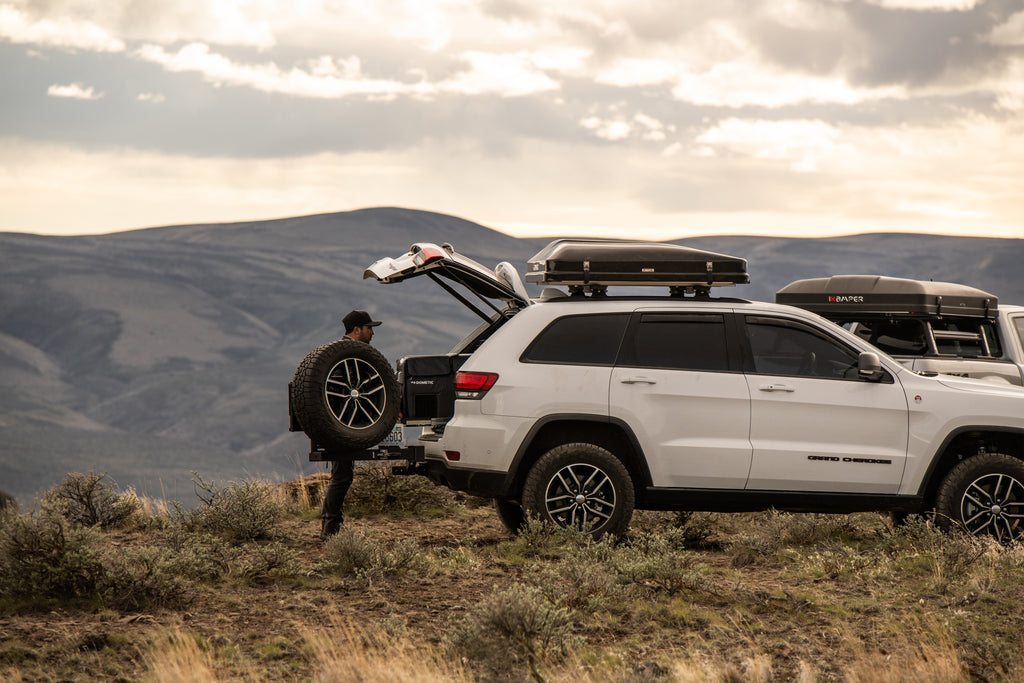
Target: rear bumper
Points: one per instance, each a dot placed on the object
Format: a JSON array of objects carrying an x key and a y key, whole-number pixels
[{"x": 483, "y": 483}]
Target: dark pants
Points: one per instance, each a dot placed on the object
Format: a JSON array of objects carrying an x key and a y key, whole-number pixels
[{"x": 331, "y": 515}]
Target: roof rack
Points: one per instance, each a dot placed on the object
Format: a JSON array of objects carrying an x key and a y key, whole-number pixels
[{"x": 590, "y": 266}]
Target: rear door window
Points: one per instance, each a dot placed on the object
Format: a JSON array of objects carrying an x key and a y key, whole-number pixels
[
  {"x": 678, "y": 341},
  {"x": 579, "y": 340}
]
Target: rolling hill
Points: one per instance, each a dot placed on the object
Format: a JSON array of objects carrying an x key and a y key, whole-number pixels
[{"x": 152, "y": 353}]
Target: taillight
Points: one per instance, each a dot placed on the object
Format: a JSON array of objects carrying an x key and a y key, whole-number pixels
[
  {"x": 474, "y": 384},
  {"x": 427, "y": 254}
]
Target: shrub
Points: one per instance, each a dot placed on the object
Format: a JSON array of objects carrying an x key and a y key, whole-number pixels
[
  {"x": 376, "y": 489},
  {"x": 307, "y": 492},
  {"x": 539, "y": 537},
  {"x": 352, "y": 553},
  {"x": 695, "y": 529},
  {"x": 269, "y": 561},
  {"x": 779, "y": 530},
  {"x": 7, "y": 503},
  {"x": 949, "y": 554},
  {"x": 239, "y": 511},
  {"x": 44, "y": 556},
  {"x": 579, "y": 582},
  {"x": 514, "y": 625},
  {"x": 657, "y": 561},
  {"x": 87, "y": 500},
  {"x": 199, "y": 556},
  {"x": 141, "y": 578}
]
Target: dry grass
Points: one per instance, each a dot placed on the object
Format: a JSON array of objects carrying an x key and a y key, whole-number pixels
[
  {"x": 176, "y": 657},
  {"x": 450, "y": 596},
  {"x": 343, "y": 652}
]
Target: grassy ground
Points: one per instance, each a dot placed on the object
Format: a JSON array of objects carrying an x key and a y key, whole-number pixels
[{"x": 426, "y": 585}]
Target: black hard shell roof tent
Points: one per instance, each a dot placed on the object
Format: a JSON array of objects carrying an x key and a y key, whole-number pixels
[
  {"x": 879, "y": 296},
  {"x": 590, "y": 266}
]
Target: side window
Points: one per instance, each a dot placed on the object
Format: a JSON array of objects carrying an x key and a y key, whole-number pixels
[
  {"x": 1018, "y": 323},
  {"x": 783, "y": 347},
  {"x": 678, "y": 342},
  {"x": 579, "y": 340}
]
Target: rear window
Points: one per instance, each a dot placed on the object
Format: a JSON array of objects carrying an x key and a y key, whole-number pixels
[{"x": 579, "y": 340}]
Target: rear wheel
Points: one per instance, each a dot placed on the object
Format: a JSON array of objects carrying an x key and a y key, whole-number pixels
[
  {"x": 581, "y": 485},
  {"x": 984, "y": 495},
  {"x": 345, "y": 395}
]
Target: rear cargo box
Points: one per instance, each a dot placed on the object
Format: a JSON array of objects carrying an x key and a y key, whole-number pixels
[
  {"x": 429, "y": 389},
  {"x": 603, "y": 263},
  {"x": 859, "y": 296}
]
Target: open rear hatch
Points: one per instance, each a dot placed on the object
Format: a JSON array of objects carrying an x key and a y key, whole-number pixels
[
  {"x": 428, "y": 395},
  {"x": 436, "y": 262}
]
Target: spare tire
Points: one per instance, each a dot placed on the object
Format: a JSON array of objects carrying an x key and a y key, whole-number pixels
[{"x": 345, "y": 395}]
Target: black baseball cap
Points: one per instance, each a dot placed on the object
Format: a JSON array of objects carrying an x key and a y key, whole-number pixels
[{"x": 356, "y": 319}]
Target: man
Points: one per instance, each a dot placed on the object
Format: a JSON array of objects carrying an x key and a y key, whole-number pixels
[{"x": 358, "y": 327}]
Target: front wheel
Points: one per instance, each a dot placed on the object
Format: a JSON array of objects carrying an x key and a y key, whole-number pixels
[
  {"x": 581, "y": 485},
  {"x": 984, "y": 495}
]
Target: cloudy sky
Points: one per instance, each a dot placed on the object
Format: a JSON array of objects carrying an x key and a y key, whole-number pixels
[{"x": 647, "y": 118}]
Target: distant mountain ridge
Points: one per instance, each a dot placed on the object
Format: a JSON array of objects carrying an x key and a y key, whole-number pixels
[{"x": 155, "y": 352}]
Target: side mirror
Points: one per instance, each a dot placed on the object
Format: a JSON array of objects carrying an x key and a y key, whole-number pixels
[{"x": 869, "y": 366}]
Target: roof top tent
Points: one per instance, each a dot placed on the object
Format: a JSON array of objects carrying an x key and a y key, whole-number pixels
[
  {"x": 903, "y": 317},
  {"x": 593, "y": 265},
  {"x": 875, "y": 295}
]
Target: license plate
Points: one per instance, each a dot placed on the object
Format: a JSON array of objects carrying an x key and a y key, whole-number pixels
[{"x": 395, "y": 438}]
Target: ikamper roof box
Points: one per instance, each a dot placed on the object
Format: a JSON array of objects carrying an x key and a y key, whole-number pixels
[
  {"x": 602, "y": 263},
  {"x": 874, "y": 295}
]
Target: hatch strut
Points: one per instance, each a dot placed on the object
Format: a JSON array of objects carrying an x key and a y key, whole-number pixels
[{"x": 465, "y": 302}]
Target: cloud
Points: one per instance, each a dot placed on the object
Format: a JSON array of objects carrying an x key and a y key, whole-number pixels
[
  {"x": 324, "y": 77},
  {"x": 1010, "y": 33},
  {"x": 630, "y": 72},
  {"x": 75, "y": 91},
  {"x": 619, "y": 128},
  {"x": 654, "y": 112},
  {"x": 508, "y": 75},
  {"x": 738, "y": 84},
  {"x": 17, "y": 27},
  {"x": 927, "y": 5},
  {"x": 800, "y": 143}
]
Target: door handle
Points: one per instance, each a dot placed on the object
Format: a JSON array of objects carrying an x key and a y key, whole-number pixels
[
  {"x": 638, "y": 379},
  {"x": 775, "y": 387}
]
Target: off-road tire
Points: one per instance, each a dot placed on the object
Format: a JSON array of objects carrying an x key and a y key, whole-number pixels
[
  {"x": 582, "y": 485},
  {"x": 510, "y": 513},
  {"x": 984, "y": 495},
  {"x": 345, "y": 395}
]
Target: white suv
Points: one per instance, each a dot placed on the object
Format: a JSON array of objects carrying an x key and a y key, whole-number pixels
[{"x": 582, "y": 406}]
